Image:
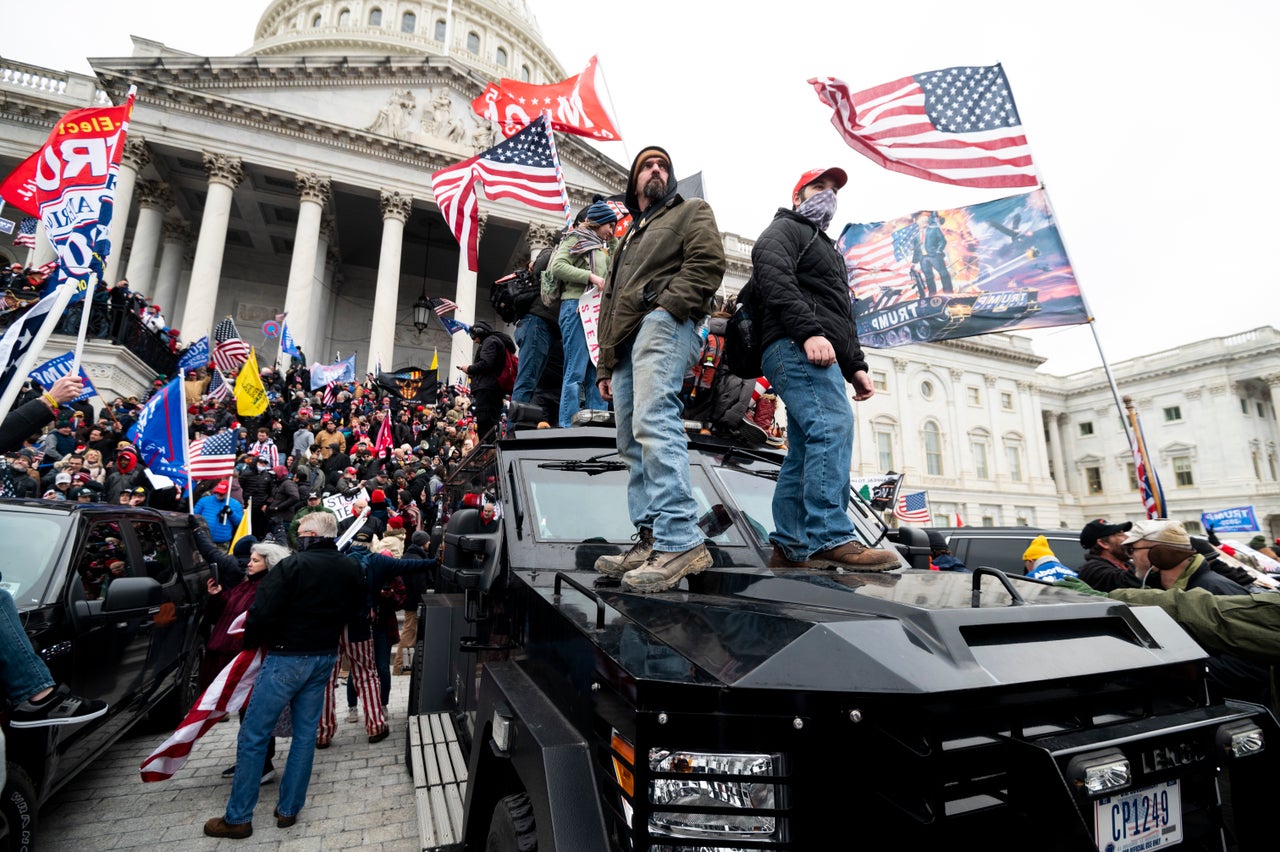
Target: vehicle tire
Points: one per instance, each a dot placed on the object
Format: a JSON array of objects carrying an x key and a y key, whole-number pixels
[
  {"x": 512, "y": 828},
  {"x": 17, "y": 811}
]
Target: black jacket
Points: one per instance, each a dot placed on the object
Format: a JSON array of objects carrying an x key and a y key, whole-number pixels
[
  {"x": 1103, "y": 575},
  {"x": 491, "y": 357},
  {"x": 800, "y": 286},
  {"x": 304, "y": 602}
]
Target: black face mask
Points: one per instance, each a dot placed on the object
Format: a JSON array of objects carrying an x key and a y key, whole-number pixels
[{"x": 306, "y": 542}]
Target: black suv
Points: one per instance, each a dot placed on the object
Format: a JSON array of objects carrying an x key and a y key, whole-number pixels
[
  {"x": 782, "y": 709},
  {"x": 1002, "y": 547},
  {"x": 112, "y": 598}
]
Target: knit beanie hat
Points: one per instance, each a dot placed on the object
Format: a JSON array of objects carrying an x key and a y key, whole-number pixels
[
  {"x": 600, "y": 213},
  {"x": 242, "y": 547},
  {"x": 1258, "y": 542},
  {"x": 1039, "y": 548}
]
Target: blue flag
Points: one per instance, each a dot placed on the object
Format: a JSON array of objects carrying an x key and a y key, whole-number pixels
[
  {"x": 287, "y": 344},
  {"x": 50, "y": 371},
  {"x": 196, "y": 356},
  {"x": 343, "y": 371},
  {"x": 161, "y": 434},
  {"x": 454, "y": 326}
]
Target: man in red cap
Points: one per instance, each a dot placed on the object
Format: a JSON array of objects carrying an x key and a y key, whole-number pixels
[{"x": 800, "y": 291}]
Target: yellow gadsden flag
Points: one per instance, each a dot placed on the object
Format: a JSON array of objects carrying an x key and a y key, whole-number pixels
[
  {"x": 251, "y": 396},
  {"x": 243, "y": 529}
]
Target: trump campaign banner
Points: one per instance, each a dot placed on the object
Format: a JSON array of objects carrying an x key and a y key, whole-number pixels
[
  {"x": 1239, "y": 519},
  {"x": 573, "y": 104},
  {"x": 946, "y": 274},
  {"x": 52, "y": 370},
  {"x": 69, "y": 184}
]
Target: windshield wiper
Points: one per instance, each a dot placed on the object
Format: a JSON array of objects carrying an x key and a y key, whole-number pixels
[{"x": 591, "y": 467}]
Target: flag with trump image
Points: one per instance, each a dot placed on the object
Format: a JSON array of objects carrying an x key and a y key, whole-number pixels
[{"x": 965, "y": 271}]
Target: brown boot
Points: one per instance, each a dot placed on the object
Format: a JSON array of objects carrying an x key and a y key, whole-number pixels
[
  {"x": 219, "y": 827},
  {"x": 778, "y": 559},
  {"x": 663, "y": 570},
  {"x": 856, "y": 557}
]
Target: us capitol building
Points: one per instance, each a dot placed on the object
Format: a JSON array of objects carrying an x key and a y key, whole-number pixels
[{"x": 296, "y": 176}]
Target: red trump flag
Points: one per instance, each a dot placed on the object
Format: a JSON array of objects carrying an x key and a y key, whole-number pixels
[{"x": 573, "y": 103}]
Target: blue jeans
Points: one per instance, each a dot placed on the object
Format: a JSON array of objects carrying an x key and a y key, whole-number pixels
[
  {"x": 533, "y": 340},
  {"x": 811, "y": 500},
  {"x": 23, "y": 672},
  {"x": 296, "y": 681},
  {"x": 646, "y": 399},
  {"x": 578, "y": 369}
]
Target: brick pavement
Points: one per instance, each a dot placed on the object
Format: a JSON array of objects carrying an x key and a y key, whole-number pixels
[{"x": 361, "y": 795}]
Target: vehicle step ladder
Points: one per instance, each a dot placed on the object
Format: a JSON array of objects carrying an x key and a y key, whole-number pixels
[{"x": 439, "y": 781}]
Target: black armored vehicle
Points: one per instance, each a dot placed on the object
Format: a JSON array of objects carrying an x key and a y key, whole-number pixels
[{"x": 788, "y": 709}]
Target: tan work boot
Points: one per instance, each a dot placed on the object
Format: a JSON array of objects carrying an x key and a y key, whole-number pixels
[
  {"x": 856, "y": 557},
  {"x": 663, "y": 569},
  {"x": 616, "y": 566},
  {"x": 778, "y": 559}
]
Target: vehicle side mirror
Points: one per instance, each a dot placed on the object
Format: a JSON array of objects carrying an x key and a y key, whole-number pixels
[
  {"x": 437, "y": 536},
  {"x": 132, "y": 593},
  {"x": 912, "y": 543}
]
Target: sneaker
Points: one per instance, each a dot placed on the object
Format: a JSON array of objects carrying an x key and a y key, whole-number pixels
[
  {"x": 59, "y": 707},
  {"x": 219, "y": 827},
  {"x": 763, "y": 414},
  {"x": 229, "y": 772},
  {"x": 381, "y": 735},
  {"x": 353, "y": 715},
  {"x": 268, "y": 775},
  {"x": 616, "y": 566},
  {"x": 663, "y": 570},
  {"x": 751, "y": 432},
  {"x": 856, "y": 556},
  {"x": 778, "y": 559}
]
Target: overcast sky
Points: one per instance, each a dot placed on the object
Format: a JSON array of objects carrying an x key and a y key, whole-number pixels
[{"x": 1150, "y": 123}]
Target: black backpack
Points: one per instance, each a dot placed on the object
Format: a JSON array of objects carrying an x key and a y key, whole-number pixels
[{"x": 512, "y": 295}]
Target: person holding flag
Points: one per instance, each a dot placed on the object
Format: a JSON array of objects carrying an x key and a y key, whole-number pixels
[{"x": 222, "y": 512}]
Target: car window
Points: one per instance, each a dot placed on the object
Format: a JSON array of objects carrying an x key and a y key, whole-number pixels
[
  {"x": 157, "y": 557},
  {"x": 31, "y": 543},
  {"x": 104, "y": 558}
]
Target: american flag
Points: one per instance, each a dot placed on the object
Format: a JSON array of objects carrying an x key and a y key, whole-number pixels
[
  {"x": 26, "y": 235},
  {"x": 443, "y": 306},
  {"x": 522, "y": 168},
  {"x": 229, "y": 351},
  {"x": 882, "y": 263},
  {"x": 1148, "y": 481},
  {"x": 957, "y": 126},
  {"x": 219, "y": 387},
  {"x": 913, "y": 508},
  {"x": 330, "y": 393},
  {"x": 213, "y": 457}
]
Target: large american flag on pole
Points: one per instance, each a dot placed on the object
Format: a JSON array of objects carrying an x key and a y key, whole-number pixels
[
  {"x": 229, "y": 350},
  {"x": 957, "y": 126},
  {"x": 213, "y": 457},
  {"x": 913, "y": 508},
  {"x": 523, "y": 168}
]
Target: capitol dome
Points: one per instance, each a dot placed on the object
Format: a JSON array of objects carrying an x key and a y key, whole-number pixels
[{"x": 497, "y": 38}]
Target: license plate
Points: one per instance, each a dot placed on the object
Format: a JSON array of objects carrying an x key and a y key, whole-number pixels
[{"x": 1150, "y": 818}]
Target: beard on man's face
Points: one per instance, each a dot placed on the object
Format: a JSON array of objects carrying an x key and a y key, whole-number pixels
[{"x": 655, "y": 189}]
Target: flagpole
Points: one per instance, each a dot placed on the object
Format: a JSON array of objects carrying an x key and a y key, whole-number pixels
[
  {"x": 1092, "y": 322},
  {"x": 564, "y": 189},
  {"x": 613, "y": 113},
  {"x": 28, "y": 361},
  {"x": 1149, "y": 472},
  {"x": 86, "y": 309},
  {"x": 186, "y": 445}
]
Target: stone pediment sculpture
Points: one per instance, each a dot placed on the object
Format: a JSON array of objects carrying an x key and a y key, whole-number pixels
[{"x": 393, "y": 119}]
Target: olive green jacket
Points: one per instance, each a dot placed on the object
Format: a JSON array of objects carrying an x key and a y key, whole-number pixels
[
  {"x": 672, "y": 258},
  {"x": 571, "y": 271}
]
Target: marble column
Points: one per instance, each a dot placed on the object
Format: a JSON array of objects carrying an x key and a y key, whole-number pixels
[
  {"x": 300, "y": 297},
  {"x": 311, "y": 334},
  {"x": 153, "y": 200},
  {"x": 396, "y": 209},
  {"x": 465, "y": 297},
  {"x": 333, "y": 279},
  {"x": 225, "y": 173},
  {"x": 134, "y": 160},
  {"x": 174, "y": 237},
  {"x": 1061, "y": 476}
]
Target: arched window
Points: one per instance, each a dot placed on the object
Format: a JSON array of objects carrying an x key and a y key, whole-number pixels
[
  {"x": 375, "y": 17},
  {"x": 524, "y": 73},
  {"x": 408, "y": 22},
  {"x": 473, "y": 42},
  {"x": 932, "y": 449},
  {"x": 315, "y": 22},
  {"x": 344, "y": 18},
  {"x": 442, "y": 29},
  {"x": 502, "y": 57}
]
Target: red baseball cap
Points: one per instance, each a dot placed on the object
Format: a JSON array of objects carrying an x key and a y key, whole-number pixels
[
  {"x": 835, "y": 173},
  {"x": 221, "y": 487}
]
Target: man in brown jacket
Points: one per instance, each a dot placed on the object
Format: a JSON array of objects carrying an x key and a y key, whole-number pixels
[{"x": 659, "y": 289}]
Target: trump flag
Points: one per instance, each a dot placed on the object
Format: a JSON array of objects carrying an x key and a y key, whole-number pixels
[{"x": 574, "y": 105}]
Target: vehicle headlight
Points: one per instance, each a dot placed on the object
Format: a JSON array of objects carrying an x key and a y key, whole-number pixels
[
  {"x": 724, "y": 795},
  {"x": 1240, "y": 739},
  {"x": 1100, "y": 773}
]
